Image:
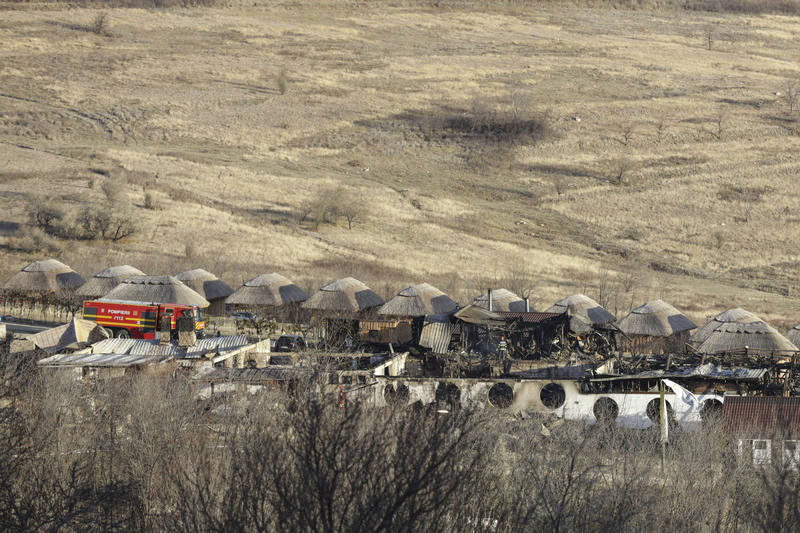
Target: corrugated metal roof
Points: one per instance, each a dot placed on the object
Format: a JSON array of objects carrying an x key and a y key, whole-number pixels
[
  {"x": 102, "y": 360},
  {"x": 557, "y": 372},
  {"x": 140, "y": 347},
  {"x": 217, "y": 345},
  {"x": 249, "y": 375},
  {"x": 153, "y": 347},
  {"x": 532, "y": 317},
  {"x": 436, "y": 333},
  {"x": 765, "y": 417},
  {"x": 705, "y": 371}
]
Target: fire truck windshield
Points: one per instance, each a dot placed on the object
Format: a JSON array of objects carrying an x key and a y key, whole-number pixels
[{"x": 198, "y": 316}]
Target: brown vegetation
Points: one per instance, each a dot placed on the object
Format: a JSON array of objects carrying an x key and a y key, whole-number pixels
[
  {"x": 472, "y": 154},
  {"x": 144, "y": 454}
]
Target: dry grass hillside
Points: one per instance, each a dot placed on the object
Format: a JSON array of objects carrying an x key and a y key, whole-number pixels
[{"x": 627, "y": 154}]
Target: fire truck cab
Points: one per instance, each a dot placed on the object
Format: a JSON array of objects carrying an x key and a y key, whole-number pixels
[{"x": 139, "y": 320}]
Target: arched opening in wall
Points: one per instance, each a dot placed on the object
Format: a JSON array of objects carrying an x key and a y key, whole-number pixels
[
  {"x": 711, "y": 411},
  {"x": 653, "y": 407},
  {"x": 501, "y": 395},
  {"x": 448, "y": 395},
  {"x": 553, "y": 396},
  {"x": 605, "y": 410},
  {"x": 396, "y": 395}
]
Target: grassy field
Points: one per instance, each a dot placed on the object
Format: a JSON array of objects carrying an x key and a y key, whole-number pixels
[{"x": 635, "y": 154}]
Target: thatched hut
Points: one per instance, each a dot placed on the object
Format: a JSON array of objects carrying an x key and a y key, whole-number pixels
[
  {"x": 343, "y": 297},
  {"x": 418, "y": 301},
  {"x": 105, "y": 280},
  {"x": 269, "y": 295},
  {"x": 209, "y": 287},
  {"x": 583, "y": 312},
  {"x": 267, "y": 290},
  {"x": 43, "y": 288},
  {"x": 502, "y": 300},
  {"x": 155, "y": 289},
  {"x": 655, "y": 327},
  {"x": 339, "y": 306},
  {"x": 793, "y": 335},
  {"x": 45, "y": 276},
  {"x": 751, "y": 338},
  {"x": 406, "y": 312},
  {"x": 736, "y": 315}
]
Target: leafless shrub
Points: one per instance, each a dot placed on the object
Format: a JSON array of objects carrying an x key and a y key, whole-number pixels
[
  {"x": 190, "y": 250},
  {"x": 560, "y": 184},
  {"x": 660, "y": 131},
  {"x": 34, "y": 240},
  {"x": 282, "y": 79},
  {"x": 101, "y": 221},
  {"x": 330, "y": 205},
  {"x": 150, "y": 202},
  {"x": 626, "y": 132},
  {"x": 718, "y": 239},
  {"x": 720, "y": 120},
  {"x": 45, "y": 213},
  {"x": 90, "y": 456},
  {"x": 621, "y": 170},
  {"x": 114, "y": 189},
  {"x": 709, "y": 34},
  {"x": 741, "y": 193},
  {"x": 790, "y": 94},
  {"x": 100, "y": 24}
]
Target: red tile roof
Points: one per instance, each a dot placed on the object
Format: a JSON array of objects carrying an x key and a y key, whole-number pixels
[{"x": 761, "y": 417}]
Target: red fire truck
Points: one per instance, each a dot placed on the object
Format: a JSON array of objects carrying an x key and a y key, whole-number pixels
[{"x": 138, "y": 320}]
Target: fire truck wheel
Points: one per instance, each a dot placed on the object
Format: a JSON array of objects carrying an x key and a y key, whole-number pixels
[{"x": 123, "y": 334}]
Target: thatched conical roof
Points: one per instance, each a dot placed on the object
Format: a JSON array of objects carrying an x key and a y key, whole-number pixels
[
  {"x": 755, "y": 336},
  {"x": 45, "y": 276},
  {"x": 582, "y": 311},
  {"x": 74, "y": 335},
  {"x": 105, "y": 280},
  {"x": 793, "y": 335},
  {"x": 737, "y": 315},
  {"x": 267, "y": 290},
  {"x": 205, "y": 284},
  {"x": 155, "y": 289},
  {"x": 655, "y": 319},
  {"x": 346, "y": 295},
  {"x": 502, "y": 300},
  {"x": 419, "y": 300}
]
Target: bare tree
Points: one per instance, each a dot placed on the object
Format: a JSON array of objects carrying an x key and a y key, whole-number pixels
[
  {"x": 353, "y": 211},
  {"x": 709, "y": 35},
  {"x": 790, "y": 94},
  {"x": 45, "y": 212},
  {"x": 720, "y": 119},
  {"x": 620, "y": 170}
]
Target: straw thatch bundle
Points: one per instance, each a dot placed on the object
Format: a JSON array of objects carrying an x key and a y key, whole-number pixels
[
  {"x": 105, "y": 280},
  {"x": 267, "y": 290},
  {"x": 583, "y": 312},
  {"x": 419, "y": 300},
  {"x": 205, "y": 284},
  {"x": 793, "y": 335},
  {"x": 346, "y": 295},
  {"x": 45, "y": 276},
  {"x": 735, "y": 315},
  {"x": 502, "y": 300},
  {"x": 156, "y": 289},
  {"x": 655, "y": 319},
  {"x": 755, "y": 337}
]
